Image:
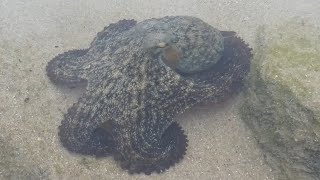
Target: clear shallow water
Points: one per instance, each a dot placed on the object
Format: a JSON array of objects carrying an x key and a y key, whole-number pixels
[{"x": 32, "y": 32}]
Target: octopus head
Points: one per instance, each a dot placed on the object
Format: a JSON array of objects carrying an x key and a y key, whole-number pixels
[{"x": 187, "y": 45}]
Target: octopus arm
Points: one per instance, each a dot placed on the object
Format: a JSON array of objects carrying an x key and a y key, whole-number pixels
[
  {"x": 138, "y": 157},
  {"x": 65, "y": 69},
  {"x": 84, "y": 129},
  {"x": 71, "y": 68}
]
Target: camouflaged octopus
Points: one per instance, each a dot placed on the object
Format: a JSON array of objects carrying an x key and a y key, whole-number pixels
[{"x": 138, "y": 77}]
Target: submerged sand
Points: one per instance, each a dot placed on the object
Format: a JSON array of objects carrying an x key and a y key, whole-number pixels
[{"x": 31, "y": 108}]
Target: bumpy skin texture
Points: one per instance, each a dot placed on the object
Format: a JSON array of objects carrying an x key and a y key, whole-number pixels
[{"x": 134, "y": 88}]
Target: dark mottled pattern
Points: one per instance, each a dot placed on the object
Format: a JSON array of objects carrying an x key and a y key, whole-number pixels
[{"x": 132, "y": 94}]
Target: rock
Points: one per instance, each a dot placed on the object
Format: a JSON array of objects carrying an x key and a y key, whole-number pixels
[{"x": 283, "y": 98}]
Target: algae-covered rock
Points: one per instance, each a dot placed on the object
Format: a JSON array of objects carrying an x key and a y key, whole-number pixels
[{"x": 283, "y": 98}]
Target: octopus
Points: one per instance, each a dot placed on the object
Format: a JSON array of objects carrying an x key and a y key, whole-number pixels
[{"x": 138, "y": 78}]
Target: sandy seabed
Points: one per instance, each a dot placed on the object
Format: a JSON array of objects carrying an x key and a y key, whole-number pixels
[{"x": 33, "y": 31}]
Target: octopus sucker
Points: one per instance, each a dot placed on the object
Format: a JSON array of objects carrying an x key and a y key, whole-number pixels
[{"x": 138, "y": 77}]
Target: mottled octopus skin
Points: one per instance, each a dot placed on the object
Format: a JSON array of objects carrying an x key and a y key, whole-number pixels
[{"x": 132, "y": 96}]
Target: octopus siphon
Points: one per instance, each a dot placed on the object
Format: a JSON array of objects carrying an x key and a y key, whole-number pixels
[{"x": 138, "y": 77}]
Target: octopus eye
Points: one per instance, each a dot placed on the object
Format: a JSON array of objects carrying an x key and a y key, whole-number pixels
[
  {"x": 171, "y": 57},
  {"x": 162, "y": 45}
]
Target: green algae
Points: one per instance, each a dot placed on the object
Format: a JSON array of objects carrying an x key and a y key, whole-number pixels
[{"x": 292, "y": 56}]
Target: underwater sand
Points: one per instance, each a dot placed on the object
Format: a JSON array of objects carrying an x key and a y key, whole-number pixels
[{"x": 34, "y": 31}]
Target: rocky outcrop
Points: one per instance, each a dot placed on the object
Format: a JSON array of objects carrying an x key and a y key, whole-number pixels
[{"x": 283, "y": 98}]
